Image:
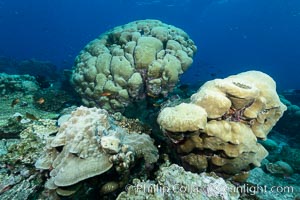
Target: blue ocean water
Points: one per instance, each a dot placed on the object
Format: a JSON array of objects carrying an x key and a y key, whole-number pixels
[{"x": 232, "y": 35}]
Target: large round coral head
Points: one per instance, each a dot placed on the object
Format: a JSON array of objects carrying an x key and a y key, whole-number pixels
[{"x": 131, "y": 62}]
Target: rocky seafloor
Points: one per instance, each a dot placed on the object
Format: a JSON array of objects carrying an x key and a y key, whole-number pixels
[{"x": 27, "y": 123}]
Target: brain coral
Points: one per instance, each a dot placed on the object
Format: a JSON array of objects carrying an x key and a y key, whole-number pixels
[
  {"x": 221, "y": 135},
  {"x": 89, "y": 144},
  {"x": 130, "y": 62}
]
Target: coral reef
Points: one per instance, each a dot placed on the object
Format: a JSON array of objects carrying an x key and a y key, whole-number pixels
[
  {"x": 291, "y": 156},
  {"x": 11, "y": 127},
  {"x": 89, "y": 144},
  {"x": 17, "y": 83},
  {"x": 18, "y": 177},
  {"x": 280, "y": 168},
  {"x": 53, "y": 100},
  {"x": 283, "y": 159},
  {"x": 38, "y": 68},
  {"x": 27, "y": 150},
  {"x": 173, "y": 182},
  {"x": 15, "y": 117},
  {"x": 218, "y": 130},
  {"x": 261, "y": 185},
  {"x": 22, "y": 185},
  {"x": 130, "y": 62},
  {"x": 290, "y": 122},
  {"x": 33, "y": 67},
  {"x": 131, "y": 124}
]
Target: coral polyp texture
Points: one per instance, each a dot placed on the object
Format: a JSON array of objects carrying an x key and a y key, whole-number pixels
[
  {"x": 218, "y": 130},
  {"x": 90, "y": 144},
  {"x": 130, "y": 62}
]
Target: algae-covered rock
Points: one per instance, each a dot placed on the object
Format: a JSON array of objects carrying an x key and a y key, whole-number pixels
[
  {"x": 27, "y": 149},
  {"x": 291, "y": 156},
  {"x": 280, "y": 168},
  {"x": 261, "y": 185},
  {"x": 18, "y": 177},
  {"x": 173, "y": 182},
  {"x": 17, "y": 83},
  {"x": 11, "y": 127},
  {"x": 52, "y": 100}
]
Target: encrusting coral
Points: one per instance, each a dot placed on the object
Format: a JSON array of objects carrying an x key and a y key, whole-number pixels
[
  {"x": 173, "y": 182},
  {"x": 130, "y": 62},
  {"x": 89, "y": 144},
  {"x": 218, "y": 130},
  {"x": 18, "y": 177}
]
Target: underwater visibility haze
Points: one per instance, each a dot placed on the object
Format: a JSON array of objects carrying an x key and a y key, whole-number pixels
[
  {"x": 231, "y": 35},
  {"x": 150, "y": 99}
]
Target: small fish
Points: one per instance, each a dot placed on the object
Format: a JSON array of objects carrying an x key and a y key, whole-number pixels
[
  {"x": 106, "y": 94},
  {"x": 156, "y": 105},
  {"x": 15, "y": 102},
  {"x": 40, "y": 100},
  {"x": 31, "y": 116},
  {"x": 151, "y": 95}
]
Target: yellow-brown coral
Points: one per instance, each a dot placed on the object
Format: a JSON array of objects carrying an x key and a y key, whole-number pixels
[{"x": 235, "y": 112}]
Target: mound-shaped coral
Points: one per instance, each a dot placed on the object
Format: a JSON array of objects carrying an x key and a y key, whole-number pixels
[
  {"x": 90, "y": 144},
  {"x": 232, "y": 113},
  {"x": 139, "y": 59}
]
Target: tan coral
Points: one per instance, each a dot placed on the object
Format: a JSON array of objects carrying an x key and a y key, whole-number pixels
[
  {"x": 182, "y": 118},
  {"x": 240, "y": 92},
  {"x": 190, "y": 143},
  {"x": 233, "y": 138},
  {"x": 245, "y": 160},
  {"x": 90, "y": 145},
  {"x": 76, "y": 169},
  {"x": 146, "y": 50},
  {"x": 197, "y": 162},
  {"x": 236, "y": 132},
  {"x": 110, "y": 63},
  {"x": 238, "y": 110},
  {"x": 212, "y": 100},
  {"x": 81, "y": 154}
]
